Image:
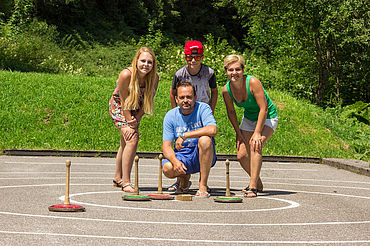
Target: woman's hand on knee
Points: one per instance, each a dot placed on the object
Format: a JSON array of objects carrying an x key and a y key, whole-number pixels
[
  {"x": 133, "y": 123},
  {"x": 128, "y": 133},
  {"x": 239, "y": 140},
  {"x": 256, "y": 142}
]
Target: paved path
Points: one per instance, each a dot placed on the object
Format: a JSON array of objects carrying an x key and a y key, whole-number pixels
[{"x": 302, "y": 204}]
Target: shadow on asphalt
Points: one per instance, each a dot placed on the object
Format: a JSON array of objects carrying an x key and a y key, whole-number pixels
[
  {"x": 222, "y": 191},
  {"x": 276, "y": 193}
]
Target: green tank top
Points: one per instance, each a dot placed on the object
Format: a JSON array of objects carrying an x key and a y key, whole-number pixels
[{"x": 251, "y": 109}]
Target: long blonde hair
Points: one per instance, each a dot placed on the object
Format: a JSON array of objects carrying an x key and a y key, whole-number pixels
[
  {"x": 234, "y": 58},
  {"x": 132, "y": 101}
]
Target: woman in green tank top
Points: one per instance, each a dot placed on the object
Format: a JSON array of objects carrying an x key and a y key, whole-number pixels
[{"x": 259, "y": 120}]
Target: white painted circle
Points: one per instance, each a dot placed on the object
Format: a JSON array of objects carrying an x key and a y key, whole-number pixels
[
  {"x": 190, "y": 223},
  {"x": 292, "y": 204}
]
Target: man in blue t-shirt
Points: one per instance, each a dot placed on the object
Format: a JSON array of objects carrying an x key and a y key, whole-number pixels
[{"x": 191, "y": 125}]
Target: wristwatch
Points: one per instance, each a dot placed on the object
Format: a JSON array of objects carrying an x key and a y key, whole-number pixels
[{"x": 182, "y": 135}]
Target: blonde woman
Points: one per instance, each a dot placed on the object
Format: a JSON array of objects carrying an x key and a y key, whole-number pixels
[
  {"x": 259, "y": 120},
  {"x": 132, "y": 98}
]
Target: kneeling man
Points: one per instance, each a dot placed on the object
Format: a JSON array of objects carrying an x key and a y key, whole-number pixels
[{"x": 192, "y": 126}]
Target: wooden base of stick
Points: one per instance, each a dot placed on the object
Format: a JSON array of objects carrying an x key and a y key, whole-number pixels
[
  {"x": 66, "y": 207},
  {"x": 228, "y": 199},
  {"x": 160, "y": 197},
  {"x": 135, "y": 198},
  {"x": 184, "y": 197}
]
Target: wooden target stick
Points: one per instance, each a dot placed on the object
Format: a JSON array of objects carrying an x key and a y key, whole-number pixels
[
  {"x": 227, "y": 163},
  {"x": 66, "y": 196},
  {"x": 160, "y": 175},
  {"x": 136, "y": 175},
  {"x": 135, "y": 196},
  {"x": 160, "y": 195},
  {"x": 228, "y": 198},
  {"x": 67, "y": 206}
]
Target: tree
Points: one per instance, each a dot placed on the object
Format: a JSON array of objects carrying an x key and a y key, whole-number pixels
[
  {"x": 322, "y": 43},
  {"x": 5, "y": 9}
]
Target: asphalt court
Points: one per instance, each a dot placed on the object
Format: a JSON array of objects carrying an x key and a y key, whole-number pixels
[{"x": 302, "y": 204}]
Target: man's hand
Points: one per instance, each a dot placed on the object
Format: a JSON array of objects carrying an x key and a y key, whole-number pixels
[
  {"x": 178, "y": 143},
  {"x": 179, "y": 168}
]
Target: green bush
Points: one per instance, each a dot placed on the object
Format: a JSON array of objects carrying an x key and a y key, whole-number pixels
[
  {"x": 170, "y": 56},
  {"x": 33, "y": 49},
  {"x": 344, "y": 126},
  {"x": 359, "y": 111},
  {"x": 103, "y": 61},
  {"x": 39, "y": 49},
  {"x": 215, "y": 52}
]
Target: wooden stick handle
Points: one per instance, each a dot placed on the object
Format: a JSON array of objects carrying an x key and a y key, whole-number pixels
[
  {"x": 136, "y": 175},
  {"x": 66, "y": 197},
  {"x": 227, "y": 163},
  {"x": 160, "y": 175}
]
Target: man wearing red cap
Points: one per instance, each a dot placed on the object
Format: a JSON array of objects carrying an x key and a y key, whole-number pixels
[{"x": 201, "y": 76}]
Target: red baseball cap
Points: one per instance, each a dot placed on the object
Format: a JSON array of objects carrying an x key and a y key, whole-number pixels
[{"x": 190, "y": 45}]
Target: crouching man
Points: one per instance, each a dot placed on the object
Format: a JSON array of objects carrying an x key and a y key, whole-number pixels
[{"x": 192, "y": 126}]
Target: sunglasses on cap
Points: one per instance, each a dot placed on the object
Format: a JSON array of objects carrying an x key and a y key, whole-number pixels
[{"x": 191, "y": 57}]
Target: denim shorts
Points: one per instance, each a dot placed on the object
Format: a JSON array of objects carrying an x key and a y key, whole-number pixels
[{"x": 190, "y": 158}]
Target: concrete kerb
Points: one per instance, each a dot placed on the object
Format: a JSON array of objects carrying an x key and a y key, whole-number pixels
[
  {"x": 356, "y": 166},
  {"x": 149, "y": 155}
]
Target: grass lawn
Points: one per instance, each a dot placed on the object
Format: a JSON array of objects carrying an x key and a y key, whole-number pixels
[{"x": 46, "y": 111}]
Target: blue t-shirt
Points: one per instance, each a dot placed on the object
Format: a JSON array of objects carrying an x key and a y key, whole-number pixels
[{"x": 175, "y": 123}]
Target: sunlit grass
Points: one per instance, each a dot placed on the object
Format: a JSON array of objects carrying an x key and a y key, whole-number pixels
[{"x": 44, "y": 111}]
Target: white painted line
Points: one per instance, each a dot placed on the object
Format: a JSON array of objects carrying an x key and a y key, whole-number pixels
[
  {"x": 188, "y": 223},
  {"x": 149, "y": 165},
  {"x": 181, "y": 240},
  {"x": 323, "y": 193},
  {"x": 291, "y": 163},
  {"x": 207, "y": 224},
  {"x": 293, "y": 204},
  {"x": 25, "y": 172},
  {"x": 234, "y": 177},
  {"x": 156, "y": 179},
  {"x": 317, "y": 180},
  {"x": 292, "y": 169},
  {"x": 313, "y": 185},
  {"x": 62, "y": 177},
  {"x": 59, "y": 164},
  {"x": 87, "y": 178},
  {"x": 41, "y": 185}
]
